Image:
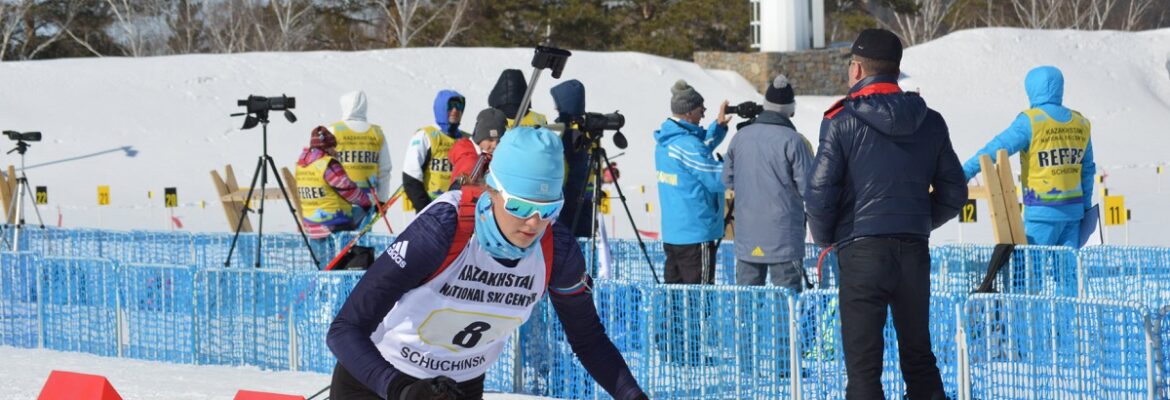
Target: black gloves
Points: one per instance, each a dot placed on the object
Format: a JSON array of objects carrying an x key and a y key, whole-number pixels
[{"x": 437, "y": 388}]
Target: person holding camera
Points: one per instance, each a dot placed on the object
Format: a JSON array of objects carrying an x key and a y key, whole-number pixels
[
  {"x": 884, "y": 176},
  {"x": 426, "y": 172},
  {"x": 435, "y": 311},
  {"x": 689, "y": 186},
  {"x": 362, "y": 148},
  {"x": 766, "y": 165},
  {"x": 328, "y": 196}
]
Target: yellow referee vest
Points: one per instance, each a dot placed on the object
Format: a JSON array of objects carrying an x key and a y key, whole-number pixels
[
  {"x": 320, "y": 204},
  {"x": 358, "y": 152},
  {"x": 1051, "y": 168}
]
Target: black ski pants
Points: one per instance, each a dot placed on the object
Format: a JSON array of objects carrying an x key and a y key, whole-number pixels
[
  {"x": 876, "y": 273},
  {"x": 686, "y": 263}
]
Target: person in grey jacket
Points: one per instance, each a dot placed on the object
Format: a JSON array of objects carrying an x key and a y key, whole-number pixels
[{"x": 766, "y": 165}]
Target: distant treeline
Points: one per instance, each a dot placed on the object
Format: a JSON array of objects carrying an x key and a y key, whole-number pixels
[{"x": 42, "y": 29}]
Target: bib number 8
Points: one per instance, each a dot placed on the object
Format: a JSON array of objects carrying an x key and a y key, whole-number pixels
[{"x": 470, "y": 336}]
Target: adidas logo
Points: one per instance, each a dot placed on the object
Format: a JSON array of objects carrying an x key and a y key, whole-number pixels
[{"x": 397, "y": 252}]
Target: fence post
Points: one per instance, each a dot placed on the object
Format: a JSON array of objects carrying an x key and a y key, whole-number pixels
[
  {"x": 1080, "y": 276},
  {"x": 793, "y": 351},
  {"x": 293, "y": 359},
  {"x": 964, "y": 367},
  {"x": 36, "y": 274}
]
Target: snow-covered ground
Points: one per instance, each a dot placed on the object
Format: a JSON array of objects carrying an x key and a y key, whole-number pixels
[
  {"x": 23, "y": 374},
  {"x": 139, "y": 125}
]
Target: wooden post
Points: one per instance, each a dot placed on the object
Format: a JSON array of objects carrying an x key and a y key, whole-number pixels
[
  {"x": 1000, "y": 192},
  {"x": 290, "y": 183},
  {"x": 7, "y": 192},
  {"x": 233, "y": 197},
  {"x": 231, "y": 209}
]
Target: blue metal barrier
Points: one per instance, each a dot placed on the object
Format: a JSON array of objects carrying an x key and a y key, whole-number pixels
[
  {"x": 157, "y": 308},
  {"x": 1030, "y": 347},
  {"x": 79, "y": 305},
  {"x": 243, "y": 317},
  {"x": 19, "y": 300},
  {"x": 316, "y": 298},
  {"x": 1047, "y": 270}
]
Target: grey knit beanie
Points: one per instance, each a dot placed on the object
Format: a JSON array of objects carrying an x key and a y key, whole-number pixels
[
  {"x": 684, "y": 98},
  {"x": 780, "y": 98},
  {"x": 489, "y": 124}
]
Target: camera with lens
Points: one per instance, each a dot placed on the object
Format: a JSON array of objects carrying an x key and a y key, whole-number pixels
[
  {"x": 596, "y": 122},
  {"x": 257, "y": 108},
  {"x": 256, "y": 104},
  {"x": 745, "y": 110},
  {"x": 23, "y": 137},
  {"x": 594, "y": 125}
]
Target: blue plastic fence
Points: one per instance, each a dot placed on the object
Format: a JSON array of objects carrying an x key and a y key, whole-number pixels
[
  {"x": 1022, "y": 346},
  {"x": 85, "y": 290}
]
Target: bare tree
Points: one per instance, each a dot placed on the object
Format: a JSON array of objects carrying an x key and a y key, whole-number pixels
[
  {"x": 924, "y": 25},
  {"x": 1135, "y": 13},
  {"x": 12, "y": 16},
  {"x": 403, "y": 18},
  {"x": 456, "y": 26},
  {"x": 1036, "y": 14},
  {"x": 229, "y": 25},
  {"x": 186, "y": 26},
  {"x": 292, "y": 23},
  {"x": 142, "y": 30}
]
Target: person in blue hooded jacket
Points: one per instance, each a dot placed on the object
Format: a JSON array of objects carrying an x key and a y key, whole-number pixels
[
  {"x": 690, "y": 186},
  {"x": 1056, "y": 161},
  {"x": 426, "y": 172}
]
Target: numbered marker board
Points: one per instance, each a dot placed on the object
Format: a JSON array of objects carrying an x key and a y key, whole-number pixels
[
  {"x": 171, "y": 197},
  {"x": 1115, "y": 212},
  {"x": 103, "y": 195},
  {"x": 968, "y": 214}
]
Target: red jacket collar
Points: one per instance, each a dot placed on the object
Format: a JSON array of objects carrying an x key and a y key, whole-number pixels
[{"x": 868, "y": 86}]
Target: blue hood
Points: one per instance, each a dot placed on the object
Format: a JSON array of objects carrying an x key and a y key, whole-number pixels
[
  {"x": 1045, "y": 85},
  {"x": 673, "y": 128},
  {"x": 441, "y": 100},
  {"x": 569, "y": 97}
]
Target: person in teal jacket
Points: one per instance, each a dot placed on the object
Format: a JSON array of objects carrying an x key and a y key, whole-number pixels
[
  {"x": 1056, "y": 160},
  {"x": 690, "y": 186}
]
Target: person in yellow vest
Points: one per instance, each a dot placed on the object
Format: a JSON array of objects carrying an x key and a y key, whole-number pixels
[
  {"x": 330, "y": 201},
  {"x": 1056, "y": 161},
  {"x": 362, "y": 148},
  {"x": 507, "y": 95},
  {"x": 426, "y": 171}
]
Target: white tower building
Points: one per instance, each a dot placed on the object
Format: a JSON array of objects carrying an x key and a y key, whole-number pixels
[{"x": 788, "y": 25}]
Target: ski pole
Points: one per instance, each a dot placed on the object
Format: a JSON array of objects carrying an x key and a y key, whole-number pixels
[
  {"x": 374, "y": 194},
  {"x": 326, "y": 388},
  {"x": 337, "y": 258}
]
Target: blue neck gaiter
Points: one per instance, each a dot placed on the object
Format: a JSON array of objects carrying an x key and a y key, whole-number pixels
[{"x": 488, "y": 234}]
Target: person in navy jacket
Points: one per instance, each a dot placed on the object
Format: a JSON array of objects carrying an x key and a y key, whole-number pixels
[{"x": 434, "y": 311}]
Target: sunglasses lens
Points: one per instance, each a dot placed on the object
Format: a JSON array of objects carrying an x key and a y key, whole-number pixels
[{"x": 523, "y": 209}]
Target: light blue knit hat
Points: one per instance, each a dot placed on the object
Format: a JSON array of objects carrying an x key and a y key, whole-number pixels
[{"x": 529, "y": 163}]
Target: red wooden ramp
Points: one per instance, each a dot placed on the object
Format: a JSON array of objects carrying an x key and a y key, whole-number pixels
[
  {"x": 250, "y": 395},
  {"x": 63, "y": 385}
]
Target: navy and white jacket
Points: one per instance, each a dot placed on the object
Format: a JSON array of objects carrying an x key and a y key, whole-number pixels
[{"x": 374, "y": 298}]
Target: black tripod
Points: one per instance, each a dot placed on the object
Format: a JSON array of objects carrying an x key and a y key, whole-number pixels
[
  {"x": 597, "y": 156},
  {"x": 262, "y": 165},
  {"x": 22, "y": 191}
]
